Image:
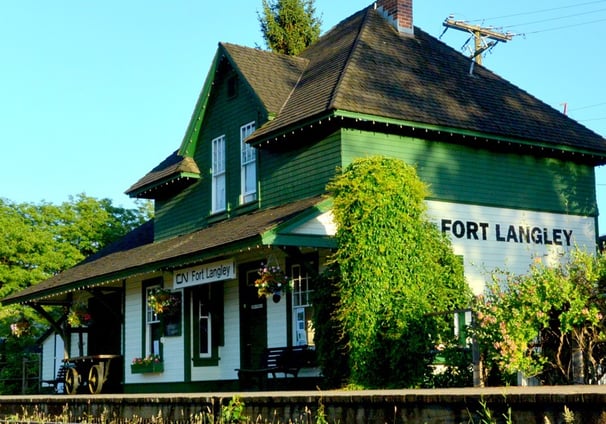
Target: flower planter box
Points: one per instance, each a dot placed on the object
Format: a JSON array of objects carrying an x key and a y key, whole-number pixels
[{"x": 154, "y": 367}]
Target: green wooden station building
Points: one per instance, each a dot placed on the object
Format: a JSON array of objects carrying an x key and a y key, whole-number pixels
[{"x": 512, "y": 179}]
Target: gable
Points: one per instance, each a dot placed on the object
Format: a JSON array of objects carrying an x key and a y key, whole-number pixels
[
  {"x": 314, "y": 228},
  {"x": 270, "y": 78}
]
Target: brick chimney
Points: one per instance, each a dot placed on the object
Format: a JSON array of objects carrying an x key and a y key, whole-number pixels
[{"x": 398, "y": 13}]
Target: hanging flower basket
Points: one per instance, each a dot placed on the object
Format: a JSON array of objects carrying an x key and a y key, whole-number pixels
[
  {"x": 272, "y": 281},
  {"x": 163, "y": 301},
  {"x": 78, "y": 315},
  {"x": 149, "y": 364},
  {"x": 20, "y": 327}
]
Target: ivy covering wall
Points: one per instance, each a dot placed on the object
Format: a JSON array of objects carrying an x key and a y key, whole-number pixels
[{"x": 397, "y": 276}]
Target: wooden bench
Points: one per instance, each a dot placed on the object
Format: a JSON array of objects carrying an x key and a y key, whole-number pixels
[{"x": 287, "y": 360}]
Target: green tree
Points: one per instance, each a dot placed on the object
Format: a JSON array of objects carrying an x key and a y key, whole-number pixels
[
  {"x": 397, "y": 273},
  {"x": 548, "y": 323},
  {"x": 41, "y": 240},
  {"x": 289, "y": 26}
]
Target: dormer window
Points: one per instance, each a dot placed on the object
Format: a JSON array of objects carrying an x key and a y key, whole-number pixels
[{"x": 248, "y": 165}]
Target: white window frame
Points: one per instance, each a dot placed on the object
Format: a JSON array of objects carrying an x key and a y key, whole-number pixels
[
  {"x": 152, "y": 320},
  {"x": 248, "y": 165},
  {"x": 206, "y": 316},
  {"x": 219, "y": 194},
  {"x": 301, "y": 305}
]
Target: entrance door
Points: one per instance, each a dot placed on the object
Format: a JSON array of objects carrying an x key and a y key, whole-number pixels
[
  {"x": 253, "y": 319},
  {"x": 105, "y": 336},
  {"x": 105, "y": 332}
]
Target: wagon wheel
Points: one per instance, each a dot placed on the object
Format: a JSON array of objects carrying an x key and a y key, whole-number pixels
[
  {"x": 72, "y": 381},
  {"x": 95, "y": 379}
]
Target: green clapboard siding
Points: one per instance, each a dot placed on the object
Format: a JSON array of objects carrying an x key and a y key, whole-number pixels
[
  {"x": 467, "y": 175},
  {"x": 299, "y": 173},
  {"x": 191, "y": 209}
]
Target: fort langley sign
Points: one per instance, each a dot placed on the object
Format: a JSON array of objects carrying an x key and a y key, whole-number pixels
[
  {"x": 473, "y": 230},
  {"x": 205, "y": 274}
]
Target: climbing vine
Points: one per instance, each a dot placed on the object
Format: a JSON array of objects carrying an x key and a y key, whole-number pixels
[{"x": 397, "y": 273}]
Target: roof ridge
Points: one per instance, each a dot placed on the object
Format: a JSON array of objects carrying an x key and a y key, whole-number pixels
[
  {"x": 294, "y": 88},
  {"x": 353, "y": 48}
]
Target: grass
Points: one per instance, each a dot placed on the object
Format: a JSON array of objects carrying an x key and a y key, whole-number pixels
[{"x": 234, "y": 412}]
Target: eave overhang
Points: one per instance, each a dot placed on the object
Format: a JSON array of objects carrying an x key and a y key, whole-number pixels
[
  {"x": 104, "y": 280},
  {"x": 232, "y": 236},
  {"x": 165, "y": 187},
  {"x": 354, "y": 120},
  {"x": 171, "y": 176}
]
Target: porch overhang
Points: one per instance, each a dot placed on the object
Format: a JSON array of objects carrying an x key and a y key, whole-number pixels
[{"x": 140, "y": 255}]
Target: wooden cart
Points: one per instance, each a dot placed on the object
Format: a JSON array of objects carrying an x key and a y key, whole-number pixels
[{"x": 87, "y": 371}]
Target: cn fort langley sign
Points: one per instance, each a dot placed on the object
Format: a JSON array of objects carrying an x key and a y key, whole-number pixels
[{"x": 205, "y": 274}]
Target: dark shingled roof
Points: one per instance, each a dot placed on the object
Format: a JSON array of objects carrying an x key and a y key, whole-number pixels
[
  {"x": 363, "y": 65},
  {"x": 272, "y": 76},
  {"x": 137, "y": 253},
  {"x": 170, "y": 169}
]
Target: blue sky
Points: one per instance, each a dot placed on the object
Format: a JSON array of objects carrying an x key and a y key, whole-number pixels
[{"x": 95, "y": 94}]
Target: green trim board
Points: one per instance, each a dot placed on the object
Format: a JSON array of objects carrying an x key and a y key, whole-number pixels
[
  {"x": 189, "y": 143},
  {"x": 154, "y": 367},
  {"x": 459, "y": 131},
  {"x": 466, "y": 135},
  {"x": 300, "y": 240}
]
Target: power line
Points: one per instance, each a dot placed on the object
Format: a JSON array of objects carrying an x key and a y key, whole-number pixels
[
  {"x": 554, "y": 19},
  {"x": 560, "y": 27},
  {"x": 538, "y": 11},
  {"x": 523, "y": 33},
  {"x": 588, "y": 107},
  {"x": 480, "y": 33}
]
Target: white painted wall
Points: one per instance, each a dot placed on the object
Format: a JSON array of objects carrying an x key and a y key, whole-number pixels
[
  {"x": 172, "y": 346},
  {"x": 276, "y": 323},
  {"x": 52, "y": 356},
  {"x": 496, "y": 248}
]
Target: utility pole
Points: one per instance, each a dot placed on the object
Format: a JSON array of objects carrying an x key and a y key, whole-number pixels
[{"x": 479, "y": 34}]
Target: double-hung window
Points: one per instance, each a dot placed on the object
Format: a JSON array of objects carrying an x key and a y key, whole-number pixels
[
  {"x": 218, "y": 174},
  {"x": 302, "y": 308},
  {"x": 153, "y": 326},
  {"x": 249, "y": 165},
  {"x": 205, "y": 328}
]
